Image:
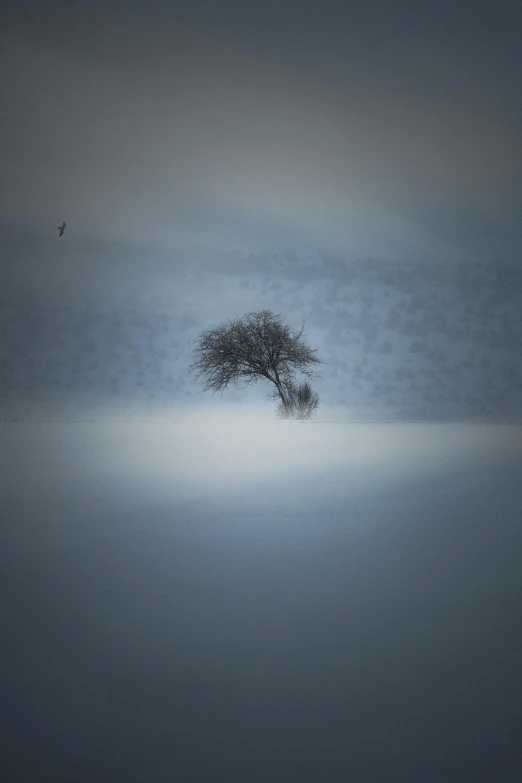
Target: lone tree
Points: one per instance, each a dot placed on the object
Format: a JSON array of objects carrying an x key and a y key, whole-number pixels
[{"x": 257, "y": 346}]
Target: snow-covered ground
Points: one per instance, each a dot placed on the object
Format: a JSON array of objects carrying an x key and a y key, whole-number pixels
[{"x": 272, "y": 599}]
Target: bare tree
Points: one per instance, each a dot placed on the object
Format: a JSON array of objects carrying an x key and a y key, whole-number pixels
[{"x": 257, "y": 346}]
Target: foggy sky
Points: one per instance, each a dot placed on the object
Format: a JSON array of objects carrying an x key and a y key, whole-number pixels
[
  {"x": 190, "y": 146},
  {"x": 308, "y": 126}
]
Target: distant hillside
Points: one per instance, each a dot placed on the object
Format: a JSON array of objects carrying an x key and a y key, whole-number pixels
[{"x": 399, "y": 340}]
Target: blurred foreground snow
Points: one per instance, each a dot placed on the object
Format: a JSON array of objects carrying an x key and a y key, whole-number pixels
[{"x": 174, "y": 589}]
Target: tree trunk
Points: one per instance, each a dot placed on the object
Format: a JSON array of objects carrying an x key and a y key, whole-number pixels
[{"x": 281, "y": 392}]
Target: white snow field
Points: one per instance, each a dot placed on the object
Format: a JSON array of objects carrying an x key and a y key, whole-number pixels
[{"x": 222, "y": 592}]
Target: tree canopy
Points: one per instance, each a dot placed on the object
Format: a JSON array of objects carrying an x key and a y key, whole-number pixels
[{"x": 259, "y": 345}]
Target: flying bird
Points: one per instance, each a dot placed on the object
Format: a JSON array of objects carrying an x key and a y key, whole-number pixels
[{"x": 61, "y": 229}]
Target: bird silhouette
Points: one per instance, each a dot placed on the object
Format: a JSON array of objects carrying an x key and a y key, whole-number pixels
[{"x": 61, "y": 229}]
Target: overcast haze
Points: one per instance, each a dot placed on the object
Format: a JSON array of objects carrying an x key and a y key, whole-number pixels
[
  {"x": 207, "y": 157},
  {"x": 381, "y": 130},
  {"x": 192, "y": 590}
]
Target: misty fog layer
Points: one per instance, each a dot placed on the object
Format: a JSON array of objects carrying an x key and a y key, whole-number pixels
[{"x": 191, "y": 590}]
